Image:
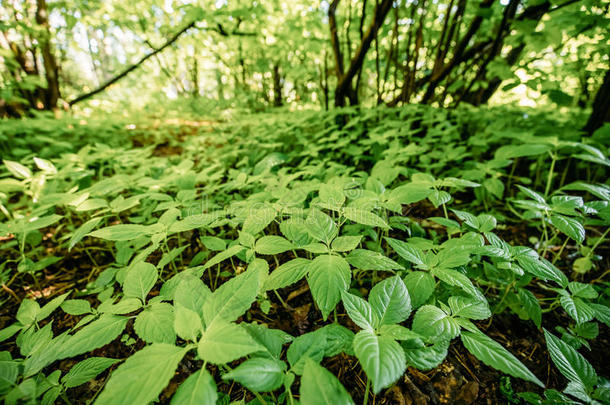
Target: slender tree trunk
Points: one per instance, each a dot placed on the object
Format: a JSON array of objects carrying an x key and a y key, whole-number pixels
[
  {"x": 51, "y": 69},
  {"x": 601, "y": 107},
  {"x": 277, "y": 85}
]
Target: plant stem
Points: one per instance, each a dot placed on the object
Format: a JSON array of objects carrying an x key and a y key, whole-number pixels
[
  {"x": 366, "y": 392},
  {"x": 549, "y": 179}
]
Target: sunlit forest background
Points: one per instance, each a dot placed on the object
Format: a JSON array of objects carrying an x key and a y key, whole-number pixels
[{"x": 304, "y": 202}]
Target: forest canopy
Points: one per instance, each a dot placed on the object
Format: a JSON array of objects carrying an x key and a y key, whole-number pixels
[{"x": 271, "y": 53}]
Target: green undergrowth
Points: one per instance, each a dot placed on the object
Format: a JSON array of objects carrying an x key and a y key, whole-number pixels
[{"x": 410, "y": 229}]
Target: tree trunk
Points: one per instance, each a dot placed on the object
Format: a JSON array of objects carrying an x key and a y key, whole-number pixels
[
  {"x": 277, "y": 85},
  {"x": 51, "y": 70},
  {"x": 601, "y": 107}
]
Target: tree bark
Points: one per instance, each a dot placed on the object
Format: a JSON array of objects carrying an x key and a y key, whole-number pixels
[
  {"x": 344, "y": 86},
  {"x": 601, "y": 107},
  {"x": 51, "y": 70}
]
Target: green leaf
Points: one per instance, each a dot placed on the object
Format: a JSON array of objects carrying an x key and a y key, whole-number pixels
[
  {"x": 381, "y": 357},
  {"x": 76, "y": 307},
  {"x": 95, "y": 335},
  {"x": 9, "y": 331},
  {"x": 86, "y": 370},
  {"x": 230, "y": 252},
  {"x": 469, "y": 308},
  {"x": 121, "y": 232},
  {"x": 272, "y": 339},
  {"x": 287, "y": 274},
  {"x": 408, "y": 252},
  {"x": 232, "y": 298},
  {"x": 426, "y": 357},
  {"x": 575, "y": 307},
  {"x": 390, "y": 301},
  {"x": 569, "y": 362},
  {"x": 359, "y": 311},
  {"x": 570, "y": 226},
  {"x": 531, "y": 305},
  {"x": 213, "y": 243},
  {"x": 272, "y": 245},
  {"x": 17, "y": 169},
  {"x": 364, "y": 259},
  {"x": 457, "y": 279},
  {"x": 319, "y": 386},
  {"x": 491, "y": 353},
  {"x": 432, "y": 322},
  {"x": 310, "y": 345},
  {"x": 198, "y": 389},
  {"x": 530, "y": 262},
  {"x": 28, "y": 311},
  {"x": 320, "y": 226},
  {"x": 187, "y": 323},
  {"x": 82, "y": 231},
  {"x": 139, "y": 280},
  {"x": 191, "y": 293},
  {"x": 156, "y": 324},
  {"x": 364, "y": 217},
  {"x": 258, "y": 220},
  {"x": 143, "y": 376},
  {"x": 328, "y": 277},
  {"x": 50, "y": 307},
  {"x": 420, "y": 285},
  {"x": 345, "y": 243},
  {"x": 258, "y": 374},
  {"x": 224, "y": 342}
]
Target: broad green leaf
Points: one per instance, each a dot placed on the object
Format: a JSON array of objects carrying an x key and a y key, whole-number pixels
[
  {"x": 359, "y": 311},
  {"x": 579, "y": 310},
  {"x": 570, "y": 226},
  {"x": 156, "y": 324},
  {"x": 433, "y": 322},
  {"x": 258, "y": 219},
  {"x": 95, "y": 335},
  {"x": 213, "y": 243},
  {"x": 310, "y": 345},
  {"x": 420, "y": 285},
  {"x": 390, "y": 301},
  {"x": 364, "y": 259},
  {"x": 320, "y": 386},
  {"x": 121, "y": 232},
  {"x": 494, "y": 355},
  {"x": 191, "y": 293},
  {"x": 531, "y": 305},
  {"x": 569, "y": 362},
  {"x": 187, "y": 323},
  {"x": 364, "y": 217},
  {"x": 345, "y": 243},
  {"x": 17, "y": 169},
  {"x": 51, "y": 306},
  {"x": 426, "y": 357},
  {"x": 541, "y": 268},
  {"x": 469, "y": 308},
  {"x": 142, "y": 377},
  {"x": 582, "y": 290},
  {"x": 222, "y": 256},
  {"x": 198, "y": 389},
  {"x": 233, "y": 298},
  {"x": 457, "y": 279},
  {"x": 258, "y": 374},
  {"x": 139, "y": 280},
  {"x": 82, "y": 231},
  {"x": 328, "y": 277},
  {"x": 381, "y": 357},
  {"x": 287, "y": 274},
  {"x": 86, "y": 370},
  {"x": 28, "y": 311},
  {"x": 76, "y": 307},
  {"x": 272, "y": 245},
  {"x": 408, "y": 252},
  {"x": 9, "y": 331},
  {"x": 320, "y": 226},
  {"x": 409, "y": 193},
  {"x": 224, "y": 342}
]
